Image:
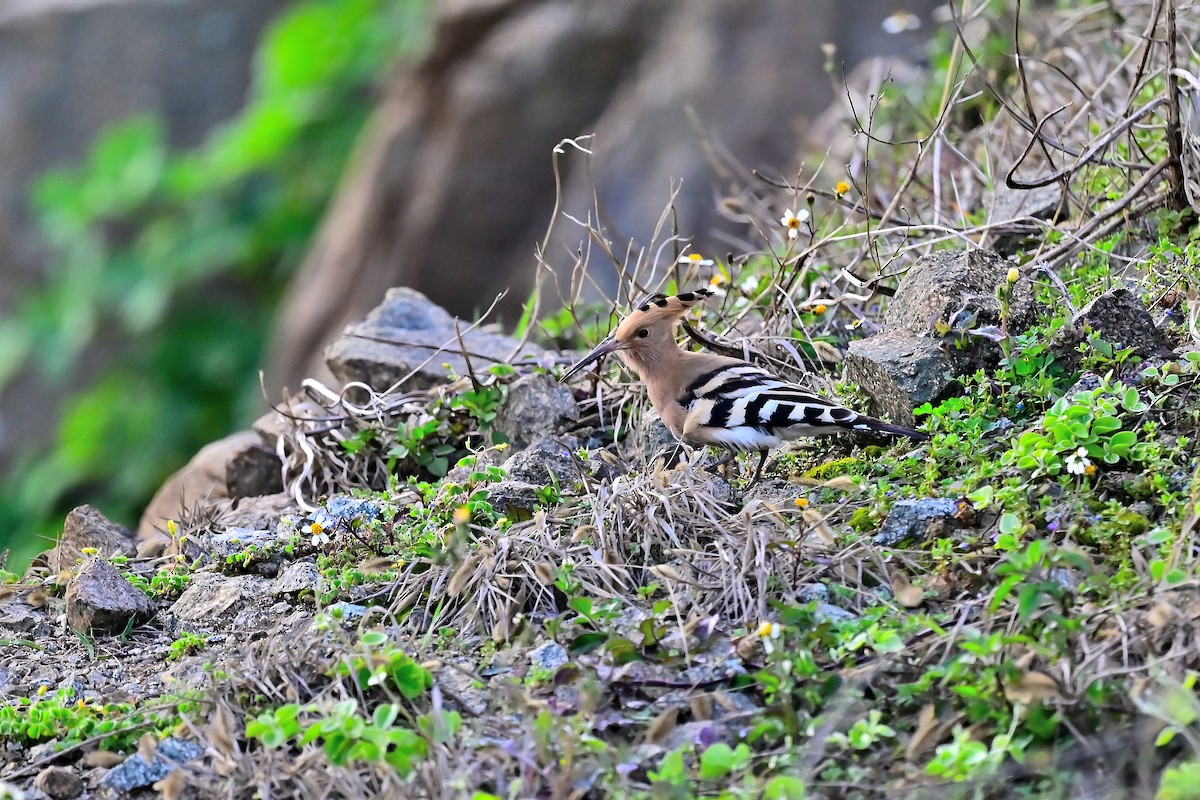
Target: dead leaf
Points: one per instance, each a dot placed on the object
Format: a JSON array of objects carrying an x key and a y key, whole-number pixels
[
  {"x": 817, "y": 524},
  {"x": 929, "y": 734},
  {"x": 463, "y": 574},
  {"x": 661, "y": 725},
  {"x": 1162, "y": 613},
  {"x": 377, "y": 565},
  {"x": 105, "y": 759},
  {"x": 842, "y": 483},
  {"x": 910, "y": 596},
  {"x": 666, "y": 572},
  {"x": 1033, "y": 686},
  {"x": 171, "y": 787},
  {"x": 544, "y": 573}
]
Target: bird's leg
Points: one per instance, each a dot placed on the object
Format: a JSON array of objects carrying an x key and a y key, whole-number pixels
[
  {"x": 762, "y": 459},
  {"x": 715, "y": 467}
]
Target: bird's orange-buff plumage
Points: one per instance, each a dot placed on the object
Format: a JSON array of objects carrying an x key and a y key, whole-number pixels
[{"x": 709, "y": 399}]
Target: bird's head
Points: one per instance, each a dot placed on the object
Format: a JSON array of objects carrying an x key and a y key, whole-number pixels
[{"x": 647, "y": 334}]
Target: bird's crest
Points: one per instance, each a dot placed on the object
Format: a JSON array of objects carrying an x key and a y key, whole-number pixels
[{"x": 658, "y": 307}]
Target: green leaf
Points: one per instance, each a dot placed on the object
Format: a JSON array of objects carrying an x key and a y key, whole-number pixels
[
  {"x": 1010, "y": 524},
  {"x": 385, "y": 715},
  {"x": 719, "y": 759}
]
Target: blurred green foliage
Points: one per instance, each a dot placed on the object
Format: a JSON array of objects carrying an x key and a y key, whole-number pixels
[{"x": 185, "y": 255}]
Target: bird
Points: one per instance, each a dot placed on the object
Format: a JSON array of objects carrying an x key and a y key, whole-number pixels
[{"x": 715, "y": 400}]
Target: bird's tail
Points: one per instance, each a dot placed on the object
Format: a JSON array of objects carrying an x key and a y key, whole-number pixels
[{"x": 879, "y": 426}]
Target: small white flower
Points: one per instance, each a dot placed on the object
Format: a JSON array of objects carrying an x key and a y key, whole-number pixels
[
  {"x": 793, "y": 221},
  {"x": 695, "y": 260},
  {"x": 769, "y": 632},
  {"x": 317, "y": 531},
  {"x": 1078, "y": 462}
]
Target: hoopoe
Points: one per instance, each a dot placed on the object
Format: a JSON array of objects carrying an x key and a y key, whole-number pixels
[{"x": 710, "y": 399}]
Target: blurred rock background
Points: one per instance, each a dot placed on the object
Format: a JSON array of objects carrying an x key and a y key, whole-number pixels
[{"x": 190, "y": 190}]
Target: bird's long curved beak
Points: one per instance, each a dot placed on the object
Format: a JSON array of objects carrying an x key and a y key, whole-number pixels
[{"x": 609, "y": 345}]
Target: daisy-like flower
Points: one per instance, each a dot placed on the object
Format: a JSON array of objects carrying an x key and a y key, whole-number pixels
[
  {"x": 1078, "y": 462},
  {"x": 793, "y": 221},
  {"x": 769, "y": 632},
  {"x": 695, "y": 260},
  {"x": 841, "y": 188},
  {"x": 317, "y": 531}
]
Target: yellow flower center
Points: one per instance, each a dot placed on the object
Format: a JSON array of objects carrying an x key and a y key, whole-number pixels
[{"x": 842, "y": 187}]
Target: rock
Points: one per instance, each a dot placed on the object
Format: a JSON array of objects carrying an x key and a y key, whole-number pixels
[
  {"x": 1120, "y": 318},
  {"x": 549, "y": 656},
  {"x": 409, "y": 334},
  {"x": 900, "y": 371},
  {"x": 546, "y": 462},
  {"x": 1044, "y": 202},
  {"x": 535, "y": 406},
  {"x": 941, "y": 285},
  {"x": 253, "y": 471},
  {"x": 920, "y": 520},
  {"x": 137, "y": 772},
  {"x": 298, "y": 578},
  {"x": 656, "y": 442},
  {"x": 100, "y": 600},
  {"x": 17, "y": 615},
  {"x": 205, "y": 479},
  {"x": 59, "y": 783},
  {"x": 87, "y": 527},
  {"x": 515, "y": 499},
  {"x": 910, "y": 363},
  {"x": 210, "y": 595}
]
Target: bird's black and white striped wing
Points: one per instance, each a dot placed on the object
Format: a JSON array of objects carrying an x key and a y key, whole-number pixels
[{"x": 743, "y": 407}]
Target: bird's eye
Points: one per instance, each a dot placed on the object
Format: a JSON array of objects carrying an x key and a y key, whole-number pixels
[{"x": 643, "y": 333}]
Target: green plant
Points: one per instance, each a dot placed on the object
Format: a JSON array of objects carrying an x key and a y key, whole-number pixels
[
  {"x": 187, "y": 644},
  {"x": 65, "y": 719},
  {"x": 1076, "y": 430}
]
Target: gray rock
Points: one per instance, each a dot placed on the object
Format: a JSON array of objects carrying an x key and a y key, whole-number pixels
[
  {"x": 656, "y": 442},
  {"x": 546, "y": 462},
  {"x": 1044, "y": 202},
  {"x": 59, "y": 783},
  {"x": 909, "y": 363},
  {"x": 918, "y": 520},
  {"x": 550, "y": 655},
  {"x": 297, "y": 578},
  {"x": 253, "y": 471},
  {"x": 87, "y": 527},
  {"x": 945, "y": 285},
  {"x": 536, "y": 406},
  {"x": 408, "y": 333},
  {"x": 516, "y": 499},
  {"x": 16, "y": 614},
  {"x": 205, "y": 480},
  {"x": 348, "y": 612},
  {"x": 828, "y": 612},
  {"x": 136, "y": 772},
  {"x": 1121, "y": 319},
  {"x": 100, "y": 600},
  {"x": 900, "y": 371},
  {"x": 210, "y": 595}
]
